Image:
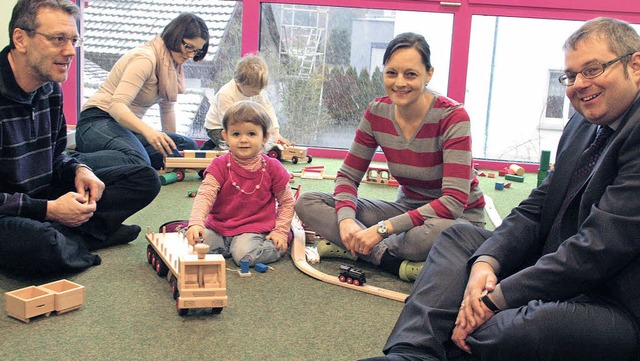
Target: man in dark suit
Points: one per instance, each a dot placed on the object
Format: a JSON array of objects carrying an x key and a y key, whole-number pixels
[{"x": 559, "y": 279}]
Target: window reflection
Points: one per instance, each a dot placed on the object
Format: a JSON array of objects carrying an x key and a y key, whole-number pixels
[{"x": 326, "y": 64}]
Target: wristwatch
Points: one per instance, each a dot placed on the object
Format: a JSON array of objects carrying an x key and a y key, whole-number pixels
[
  {"x": 382, "y": 230},
  {"x": 487, "y": 302}
]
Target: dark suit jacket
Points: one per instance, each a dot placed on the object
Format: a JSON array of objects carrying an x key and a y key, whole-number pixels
[{"x": 599, "y": 243}]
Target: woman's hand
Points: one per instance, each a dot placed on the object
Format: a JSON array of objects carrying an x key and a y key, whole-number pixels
[
  {"x": 366, "y": 239},
  {"x": 348, "y": 228},
  {"x": 161, "y": 142}
]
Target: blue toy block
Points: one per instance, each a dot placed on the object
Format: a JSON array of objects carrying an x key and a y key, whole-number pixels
[
  {"x": 244, "y": 266},
  {"x": 261, "y": 267},
  {"x": 499, "y": 186}
]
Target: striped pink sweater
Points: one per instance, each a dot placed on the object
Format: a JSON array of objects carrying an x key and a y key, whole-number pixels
[{"x": 435, "y": 166}]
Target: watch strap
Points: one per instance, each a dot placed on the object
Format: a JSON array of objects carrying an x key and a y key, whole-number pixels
[{"x": 487, "y": 302}]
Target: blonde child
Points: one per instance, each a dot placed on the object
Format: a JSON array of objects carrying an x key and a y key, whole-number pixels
[
  {"x": 250, "y": 78},
  {"x": 244, "y": 206}
]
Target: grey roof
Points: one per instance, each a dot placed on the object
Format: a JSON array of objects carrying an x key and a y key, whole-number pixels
[
  {"x": 113, "y": 27},
  {"x": 116, "y": 26}
]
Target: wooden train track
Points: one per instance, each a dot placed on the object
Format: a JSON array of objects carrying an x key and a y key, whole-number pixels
[{"x": 300, "y": 260}]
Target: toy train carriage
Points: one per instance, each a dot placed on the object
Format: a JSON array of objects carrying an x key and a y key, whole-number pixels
[
  {"x": 198, "y": 280},
  {"x": 292, "y": 153},
  {"x": 352, "y": 275},
  {"x": 190, "y": 159}
]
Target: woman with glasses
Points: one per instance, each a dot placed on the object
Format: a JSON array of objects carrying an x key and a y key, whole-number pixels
[{"x": 152, "y": 73}]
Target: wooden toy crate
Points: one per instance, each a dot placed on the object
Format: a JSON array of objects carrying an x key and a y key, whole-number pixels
[
  {"x": 28, "y": 302},
  {"x": 68, "y": 295}
]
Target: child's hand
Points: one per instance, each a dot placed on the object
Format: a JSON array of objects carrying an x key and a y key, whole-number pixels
[
  {"x": 279, "y": 240},
  {"x": 195, "y": 234}
]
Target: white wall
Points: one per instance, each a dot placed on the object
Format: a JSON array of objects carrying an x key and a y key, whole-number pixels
[
  {"x": 526, "y": 49},
  {"x": 6, "y": 7}
]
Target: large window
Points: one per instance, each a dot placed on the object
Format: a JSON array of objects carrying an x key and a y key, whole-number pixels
[
  {"x": 325, "y": 57},
  {"x": 326, "y": 64}
]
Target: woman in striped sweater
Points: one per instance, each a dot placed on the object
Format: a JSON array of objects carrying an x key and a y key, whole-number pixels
[{"x": 426, "y": 139}]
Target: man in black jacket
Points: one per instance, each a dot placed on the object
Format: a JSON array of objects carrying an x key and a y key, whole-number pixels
[
  {"x": 53, "y": 209},
  {"x": 558, "y": 280}
]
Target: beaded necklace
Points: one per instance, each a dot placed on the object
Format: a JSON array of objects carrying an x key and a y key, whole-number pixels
[{"x": 233, "y": 183}]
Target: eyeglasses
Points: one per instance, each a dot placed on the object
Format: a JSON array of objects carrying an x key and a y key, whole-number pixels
[
  {"x": 59, "y": 40},
  {"x": 590, "y": 72},
  {"x": 190, "y": 49}
]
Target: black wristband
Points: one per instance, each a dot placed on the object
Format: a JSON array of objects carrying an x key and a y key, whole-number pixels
[{"x": 487, "y": 302}]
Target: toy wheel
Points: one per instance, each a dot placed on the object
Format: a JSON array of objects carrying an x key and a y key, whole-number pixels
[
  {"x": 342, "y": 278},
  {"x": 309, "y": 159},
  {"x": 153, "y": 259},
  {"x": 216, "y": 310},
  {"x": 181, "y": 311},
  {"x": 174, "y": 288},
  {"x": 201, "y": 173},
  {"x": 350, "y": 280},
  {"x": 357, "y": 282},
  {"x": 149, "y": 253},
  {"x": 294, "y": 160},
  {"x": 180, "y": 174},
  {"x": 161, "y": 268},
  {"x": 274, "y": 153}
]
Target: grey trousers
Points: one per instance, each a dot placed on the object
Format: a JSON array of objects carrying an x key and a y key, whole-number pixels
[
  {"x": 583, "y": 328},
  {"x": 317, "y": 211}
]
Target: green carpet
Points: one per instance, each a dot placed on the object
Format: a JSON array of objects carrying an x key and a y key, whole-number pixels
[{"x": 282, "y": 314}]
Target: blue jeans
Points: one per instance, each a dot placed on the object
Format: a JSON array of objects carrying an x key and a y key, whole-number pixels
[
  {"x": 97, "y": 131},
  {"x": 251, "y": 246}
]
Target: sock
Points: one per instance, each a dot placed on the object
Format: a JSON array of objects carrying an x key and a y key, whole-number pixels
[
  {"x": 390, "y": 263},
  {"x": 124, "y": 234}
]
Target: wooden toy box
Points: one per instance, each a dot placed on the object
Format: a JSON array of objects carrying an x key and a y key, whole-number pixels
[
  {"x": 60, "y": 296},
  {"x": 29, "y": 302},
  {"x": 68, "y": 295}
]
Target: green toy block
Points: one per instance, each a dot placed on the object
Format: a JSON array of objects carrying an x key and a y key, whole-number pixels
[{"x": 515, "y": 178}]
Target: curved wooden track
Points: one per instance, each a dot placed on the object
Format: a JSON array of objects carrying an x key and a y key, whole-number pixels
[{"x": 300, "y": 260}]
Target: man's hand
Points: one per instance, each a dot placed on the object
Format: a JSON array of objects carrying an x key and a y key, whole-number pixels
[
  {"x": 473, "y": 312},
  {"x": 460, "y": 333},
  {"x": 348, "y": 228},
  {"x": 71, "y": 209},
  {"x": 88, "y": 185}
]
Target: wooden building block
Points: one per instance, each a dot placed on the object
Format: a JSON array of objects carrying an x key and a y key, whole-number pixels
[{"x": 515, "y": 178}]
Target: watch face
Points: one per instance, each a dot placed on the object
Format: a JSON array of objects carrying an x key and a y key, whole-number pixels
[{"x": 382, "y": 229}]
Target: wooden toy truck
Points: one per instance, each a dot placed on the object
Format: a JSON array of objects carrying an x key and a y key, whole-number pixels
[
  {"x": 191, "y": 159},
  {"x": 291, "y": 152},
  {"x": 197, "y": 279}
]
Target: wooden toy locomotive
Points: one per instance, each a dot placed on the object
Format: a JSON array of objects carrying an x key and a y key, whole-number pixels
[
  {"x": 352, "y": 275},
  {"x": 198, "y": 279}
]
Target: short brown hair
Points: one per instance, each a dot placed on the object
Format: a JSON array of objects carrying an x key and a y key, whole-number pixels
[
  {"x": 247, "y": 111},
  {"x": 25, "y": 12}
]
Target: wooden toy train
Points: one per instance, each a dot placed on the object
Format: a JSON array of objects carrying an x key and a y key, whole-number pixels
[
  {"x": 352, "y": 275},
  {"x": 198, "y": 279}
]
